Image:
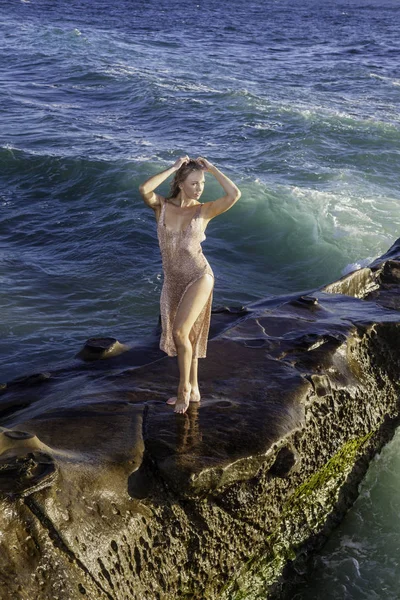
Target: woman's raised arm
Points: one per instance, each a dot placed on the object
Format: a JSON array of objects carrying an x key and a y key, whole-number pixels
[
  {"x": 147, "y": 188},
  {"x": 232, "y": 192}
]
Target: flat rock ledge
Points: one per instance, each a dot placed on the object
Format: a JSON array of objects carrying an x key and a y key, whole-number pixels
[{"x": 106, "y": 494}]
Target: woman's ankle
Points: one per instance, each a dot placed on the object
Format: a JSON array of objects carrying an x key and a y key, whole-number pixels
[{"x": 184, "y": 388}]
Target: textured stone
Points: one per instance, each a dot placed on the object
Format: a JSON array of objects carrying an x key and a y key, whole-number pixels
[{"x": 106, "y": 493}]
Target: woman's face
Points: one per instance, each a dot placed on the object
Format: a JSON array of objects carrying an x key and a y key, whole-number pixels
[{"x": 193, "y": 185}]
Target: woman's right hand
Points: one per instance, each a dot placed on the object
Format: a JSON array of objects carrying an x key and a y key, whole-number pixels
[{"x": 181, "y": 161}]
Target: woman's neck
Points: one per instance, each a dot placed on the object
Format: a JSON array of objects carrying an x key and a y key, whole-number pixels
[{"x": 181, "y": 201}]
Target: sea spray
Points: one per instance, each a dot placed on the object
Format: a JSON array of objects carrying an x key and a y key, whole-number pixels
[{"x": 299, "y": 104}]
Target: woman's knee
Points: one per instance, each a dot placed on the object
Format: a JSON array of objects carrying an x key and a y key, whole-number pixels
[{"x": 181, "y": 337}]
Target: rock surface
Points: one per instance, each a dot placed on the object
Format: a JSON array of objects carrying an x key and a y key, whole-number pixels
[{"x": 105, "y": 493}]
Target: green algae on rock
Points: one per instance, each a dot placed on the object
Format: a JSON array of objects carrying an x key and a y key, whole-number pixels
[{"x": 121, "y": 498}]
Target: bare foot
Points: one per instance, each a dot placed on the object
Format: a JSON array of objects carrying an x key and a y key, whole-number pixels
[
  {"x": 182, "y": 402},
  {"x": 194, "y": 397},
  {"x": 195, "y": 394}
]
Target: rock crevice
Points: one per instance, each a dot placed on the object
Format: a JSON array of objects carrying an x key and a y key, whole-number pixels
[{"x": 106, "y": 493}]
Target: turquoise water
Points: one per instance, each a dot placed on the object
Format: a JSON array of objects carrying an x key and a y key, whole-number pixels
[
  {"x": 361, "y": 559},
  {"x": 298, "y": 104}
]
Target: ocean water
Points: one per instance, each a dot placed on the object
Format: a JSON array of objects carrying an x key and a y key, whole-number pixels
[{"x": 297, "y": 102}]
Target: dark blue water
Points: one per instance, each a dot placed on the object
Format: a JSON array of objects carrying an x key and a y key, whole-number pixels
[{"x": 297, "y": 102}]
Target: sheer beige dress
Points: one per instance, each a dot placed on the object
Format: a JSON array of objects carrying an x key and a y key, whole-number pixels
[{"x": 183, "y": 263}]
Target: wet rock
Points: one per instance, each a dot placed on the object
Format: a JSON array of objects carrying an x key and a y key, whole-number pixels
[
  {"x": 114, "y": 496},
  {"x": 29, "y": 380},
  {"x": 309, "y": 301},
  {"x": 358, "y": 284},
  {"x": 286, "y": 460},
  {"x": 100, "y": 348},
  {"x": 24, "y": 467}
]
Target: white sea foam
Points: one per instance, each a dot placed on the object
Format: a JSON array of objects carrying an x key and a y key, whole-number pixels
[
  {"x": 349, "y": 542},
  {"x": 356, "y": 266},
  {"x": 186, "y": 86},
  {"x": 391, "y": 80},
  {"x": 314, "y": 201},
  {"x": 144, "y": 158},
  {"x": 358, "y": 117},
  {"x": 265, "y": 125},
  {"x": 160, "y": 77}
]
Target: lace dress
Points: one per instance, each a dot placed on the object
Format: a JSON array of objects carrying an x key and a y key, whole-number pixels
[{"x": 183, "y": 263}]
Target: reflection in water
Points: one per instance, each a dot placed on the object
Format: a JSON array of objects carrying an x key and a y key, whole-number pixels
[{"x": 188, "y": 432}]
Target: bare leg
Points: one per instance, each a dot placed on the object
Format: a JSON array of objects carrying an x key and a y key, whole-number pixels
[
  {"x": 194, "y": 385},
  {"x": 189, "y": 309}
]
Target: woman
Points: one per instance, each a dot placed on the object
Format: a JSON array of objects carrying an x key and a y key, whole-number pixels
[{"x": 188, "y": 279}]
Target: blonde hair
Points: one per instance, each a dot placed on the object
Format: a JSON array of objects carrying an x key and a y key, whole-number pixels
[{"x": 181, "y": 174}]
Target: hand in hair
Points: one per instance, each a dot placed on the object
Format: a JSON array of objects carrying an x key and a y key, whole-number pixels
[
  {"x": 204, "y": 163},
  {"x": 181, "y": 161}
]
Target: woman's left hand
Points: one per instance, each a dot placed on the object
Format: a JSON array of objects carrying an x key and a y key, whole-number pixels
[{"x": 205, "y": 164}]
